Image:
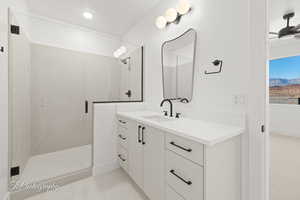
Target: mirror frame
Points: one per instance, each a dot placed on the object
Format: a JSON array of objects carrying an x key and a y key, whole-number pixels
[{"x": 194, "y": 61}]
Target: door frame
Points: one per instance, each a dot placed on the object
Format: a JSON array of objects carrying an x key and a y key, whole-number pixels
[{"x": 258, "y": 115}]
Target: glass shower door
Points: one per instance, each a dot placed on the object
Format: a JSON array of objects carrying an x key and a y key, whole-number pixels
[{"x": 50, "y": 123}]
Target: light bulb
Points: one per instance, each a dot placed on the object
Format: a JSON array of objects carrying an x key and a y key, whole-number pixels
[
  {"x": 119, "y": 52},
  {"x": 171, "y": 15},
  {"x": 116, "y": 55},
  {"x": 87, "y": 15},
  {"x": 183, "y": 7},
  {"x": 123, "y": 50},
  {"x": 161, "y": 22}
]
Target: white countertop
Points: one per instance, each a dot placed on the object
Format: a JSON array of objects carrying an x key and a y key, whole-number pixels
[{"x": 207, "y": 133}]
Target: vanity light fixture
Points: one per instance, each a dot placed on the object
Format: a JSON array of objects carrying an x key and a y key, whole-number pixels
[
  {"x": 173, "y": 15},
  {"x": 183, "y": 7},
  {"x": 87, "y": 15},
  {"x": 119, "y": 52},
  {"x": 161, "y": 22}
]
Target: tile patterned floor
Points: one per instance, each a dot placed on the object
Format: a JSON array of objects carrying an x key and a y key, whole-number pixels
[{"x": 113, "y": 186}]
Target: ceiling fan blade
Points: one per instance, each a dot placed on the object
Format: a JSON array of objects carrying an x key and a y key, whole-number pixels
[{"x": 273, "y": 33}]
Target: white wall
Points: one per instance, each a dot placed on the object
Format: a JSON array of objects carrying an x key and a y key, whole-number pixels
[
  {"x": 285, "y": 163},
  {"x": 55, "y": 33},
  {"x": 214, "y": 93},
  {"x": 284, "y": 48},
  {"x": 284, "y": 119}
]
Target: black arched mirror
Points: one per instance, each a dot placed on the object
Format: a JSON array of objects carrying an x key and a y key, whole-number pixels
[{"x": 178, "y": 63}]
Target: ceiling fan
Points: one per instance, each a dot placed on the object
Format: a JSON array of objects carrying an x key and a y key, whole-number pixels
[{"x": 288, "y": 31}]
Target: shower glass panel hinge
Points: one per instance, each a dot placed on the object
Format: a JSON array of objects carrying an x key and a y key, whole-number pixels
[
  {"x": 14, "y": 171},
  {"x": 14, "y": 29}
]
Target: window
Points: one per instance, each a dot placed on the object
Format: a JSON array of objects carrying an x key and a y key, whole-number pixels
[{"x": 285, "y": 80}]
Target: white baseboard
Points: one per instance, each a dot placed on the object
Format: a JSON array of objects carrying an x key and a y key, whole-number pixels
[{"x": 100, "y": 169}]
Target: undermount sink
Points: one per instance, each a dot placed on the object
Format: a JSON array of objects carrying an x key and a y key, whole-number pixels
[{"x": 158, "y": 118}]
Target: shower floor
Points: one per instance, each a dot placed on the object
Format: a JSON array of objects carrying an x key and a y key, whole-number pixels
[{"x": 52, "y": 165}]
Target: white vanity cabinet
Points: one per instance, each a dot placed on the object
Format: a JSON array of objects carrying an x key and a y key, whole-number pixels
[
  {"x": 123, "y": 140},
  {"x": 202, "y": 172},
  {"x": 154, "y": 162},
  {"x": 146, "y": 158},
  {"x": 171, "y": 161}
]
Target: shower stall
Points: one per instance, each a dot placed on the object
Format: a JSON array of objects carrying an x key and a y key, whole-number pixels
[{"x": 51, "y": 93}]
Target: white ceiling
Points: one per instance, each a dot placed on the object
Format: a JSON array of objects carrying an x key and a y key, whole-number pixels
[
  {"x": 278, "y": 8},
  {"x": 110, "y": 16}
]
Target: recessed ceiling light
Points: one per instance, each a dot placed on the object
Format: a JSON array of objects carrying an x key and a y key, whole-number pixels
[{"x": 87, "y": 15}]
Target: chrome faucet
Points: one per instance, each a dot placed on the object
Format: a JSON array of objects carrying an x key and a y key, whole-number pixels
[{"x": 171, "y": 105}]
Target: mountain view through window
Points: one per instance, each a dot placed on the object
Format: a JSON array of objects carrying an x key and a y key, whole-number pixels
[{"x": 285, "y": 80}]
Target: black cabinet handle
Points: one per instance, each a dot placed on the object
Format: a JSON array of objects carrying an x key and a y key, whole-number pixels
[
  {"x": 180, "y": 147},
  {"x": 86, "y": 107},
  {"x": 120, "y": 156},
  {"x": 179, "y": 177},
  {"x": 143, "y": 139},
  {"x": 121, "y": 136},
  {"x": 139, "y": 134}
]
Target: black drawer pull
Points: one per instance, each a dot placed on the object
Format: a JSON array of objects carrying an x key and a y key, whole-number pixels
[
  {"x": 121, "y": 136},
  {"x": 182, "y": 179},
  {"x": 180, "y": 147},
  {"x": 120, "y": 156},
  {"x": 139, "y": 134},
  {"x": 143, "y": 136},
  {"x": 86, "y": 107}
]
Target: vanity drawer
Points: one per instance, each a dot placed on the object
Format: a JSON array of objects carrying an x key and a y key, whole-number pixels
[
  {"x": 122, "y": 134},
  {"x": 122, "y": 122},
  {"x": 123, "y": 158},
  {"x": 187, "y": 148},
  {"x": 172, "y": 195},
  {"x": 184, "y": 176}
]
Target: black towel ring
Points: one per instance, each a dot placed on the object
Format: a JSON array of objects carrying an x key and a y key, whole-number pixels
[{"x": 216, "y": 63}]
